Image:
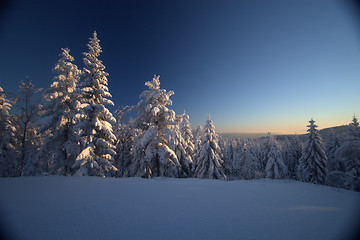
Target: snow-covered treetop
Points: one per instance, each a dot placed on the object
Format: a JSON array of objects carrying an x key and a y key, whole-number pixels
[
  {"x": 209, "y": 132},
  {"x": 312, "y": 127},
  {"x": 95, "y": 83},
  {"x": 152, "y": 105},
  {"x": 354, "y": 129},
  {"x": 66, "y": 79},
  {"x": 94, "y": 46}
]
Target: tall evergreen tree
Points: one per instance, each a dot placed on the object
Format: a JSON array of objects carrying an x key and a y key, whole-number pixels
[
  {"x": 209, "y": 164},
  {"x": 7, "y": 144},
  {"x": 61, "y": 145},
  {"x": 95, "y": 123},
  {"x": 312, "y": 165},
  {"x": 153, "y": 157}
]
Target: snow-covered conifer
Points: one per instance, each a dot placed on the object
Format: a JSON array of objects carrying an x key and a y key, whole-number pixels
[
  {"x": 209, "y": 163},
  {"x": 354, "y": 128},
  {"x": 312, "y": 164},
  {"x": 95, "y": 123},
  {"x": 61, "y": 145},
  {"x": 153, "y": 157},
  {"x": 7, "y": 148},
  {"x": 184, "y": 148},
  {"x": 275, "y": 167}
]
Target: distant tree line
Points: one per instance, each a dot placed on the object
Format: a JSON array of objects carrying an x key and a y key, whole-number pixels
[{"x": 71, "y": 132}]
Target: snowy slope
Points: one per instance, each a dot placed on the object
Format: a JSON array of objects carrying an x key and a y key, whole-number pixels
[{"x": 107, "y": 208}]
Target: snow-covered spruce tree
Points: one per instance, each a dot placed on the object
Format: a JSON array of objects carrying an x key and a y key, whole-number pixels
[
  {"x": 187, "y": 135},
  {"x": 95, "y": 123},
  {"x": 197, "y": 133},
  {"x": 312, "y": 164},
  {"x": 60, "y": 101},
  {"x": 7, "y": 148},
  {"x": 183, "y": 145},
  {"x": 209, "y": 163},
  {"x": 26, "y": 127},
  {"x": 153, "y": 157},
  {"x": 275, "y": 167},
  {"x": 354, "y": 129},
  {"x": 349, "y": 155}
]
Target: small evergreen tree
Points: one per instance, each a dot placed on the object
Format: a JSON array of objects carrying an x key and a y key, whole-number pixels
[
  {"x": 95, "y": 123},
  {"x": 209, "y": 163},
  {"x": 275, "y": 167},
  {"x": 312, "y": 165}
]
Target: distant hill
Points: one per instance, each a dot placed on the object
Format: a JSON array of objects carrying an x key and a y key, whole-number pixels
[
  {"x": 243, "y": 135},
  {"x": 339, "y": 130}
]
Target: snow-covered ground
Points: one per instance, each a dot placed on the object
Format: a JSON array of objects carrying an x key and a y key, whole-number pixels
[{"x": 88, "y": 208}]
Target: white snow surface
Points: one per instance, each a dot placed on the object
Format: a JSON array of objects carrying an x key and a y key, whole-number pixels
[{"x": 55, "y": 207}]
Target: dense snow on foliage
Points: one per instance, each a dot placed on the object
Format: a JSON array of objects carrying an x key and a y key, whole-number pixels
[
  {"x": 58, "y": 207},
  {"x": 152, "y": 151},
  {"x": 7, "y": 137},
  {"x": 209, "y": 163},
  {"x": 61, "y": 103},
  {"x": 312, "y": 164},
  {"x": 275, "y": 167},
  {"x": 95, "y": 123}
]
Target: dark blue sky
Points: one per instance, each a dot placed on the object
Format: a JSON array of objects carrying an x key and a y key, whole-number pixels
[{"x": 254, "y": 66}]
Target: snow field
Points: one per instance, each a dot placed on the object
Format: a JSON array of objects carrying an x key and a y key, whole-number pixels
[{"x": 56, "y": 207}]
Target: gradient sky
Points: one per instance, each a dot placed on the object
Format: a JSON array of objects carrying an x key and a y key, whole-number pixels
[{"x": 254, "y": 66}]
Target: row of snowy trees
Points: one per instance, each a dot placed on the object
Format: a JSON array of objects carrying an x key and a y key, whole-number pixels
[
  {"x": 71, "y": 132},
  {"x": 334, "y": 162}
]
